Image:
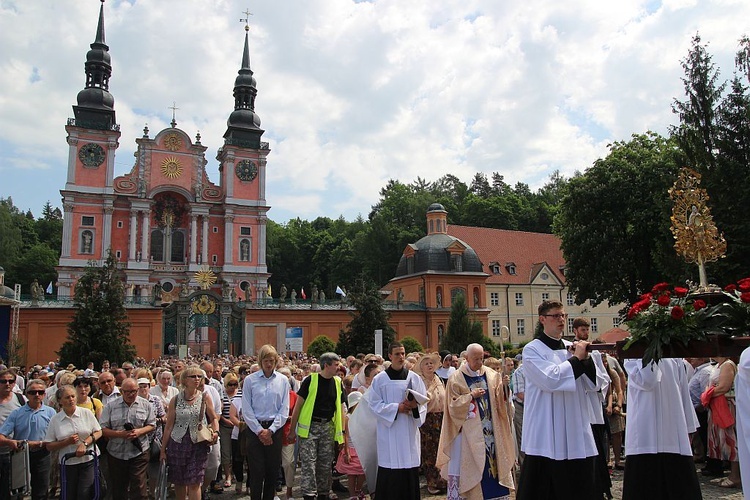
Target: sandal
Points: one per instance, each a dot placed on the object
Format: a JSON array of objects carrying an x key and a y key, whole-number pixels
[{"x": 728, "y": 483}]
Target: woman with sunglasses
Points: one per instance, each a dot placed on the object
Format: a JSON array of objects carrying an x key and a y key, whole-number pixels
[
  {"x": 185, "y": 456},
  {"x": 231, "y": 388}
]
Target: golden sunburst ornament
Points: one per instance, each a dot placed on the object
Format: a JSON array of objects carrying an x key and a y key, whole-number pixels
[
  {"x": 171, "y": 167},
  {"x": 172, "y": 142},
  {"x": 205, "y": 277}
]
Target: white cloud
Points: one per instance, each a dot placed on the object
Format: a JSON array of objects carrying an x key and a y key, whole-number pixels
[{"x": 353, "y": 94}]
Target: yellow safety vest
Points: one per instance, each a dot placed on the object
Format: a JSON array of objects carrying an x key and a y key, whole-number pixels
[{"x": 305, "y": 416}]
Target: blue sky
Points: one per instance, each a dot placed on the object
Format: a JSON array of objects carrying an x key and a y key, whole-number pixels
[{"x": 352, "y": 94}]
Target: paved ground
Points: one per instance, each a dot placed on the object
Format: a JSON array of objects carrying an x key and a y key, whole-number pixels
[{"x": 710, "y": 492}]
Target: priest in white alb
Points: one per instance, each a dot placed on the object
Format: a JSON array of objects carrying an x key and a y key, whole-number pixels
[
  {"x": 398, "y": 398},
  {"x": 557, "y": 438},
  {"x": 477, "y": 451}
]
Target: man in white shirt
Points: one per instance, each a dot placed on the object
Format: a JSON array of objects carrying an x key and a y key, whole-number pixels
[
  {"x": 557, "y": 438},
  {"x": 398, "y": 422}
]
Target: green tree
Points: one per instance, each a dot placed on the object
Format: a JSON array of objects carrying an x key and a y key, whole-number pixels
[
  {"x": 321, "y": 344},
  {"x": 38, "y": 262},
  {"x": 696, "y": 133},
  {"x": 412, "y": 345},
  {"x": 462, "y": 328},
  {"x": 368, "y": 316},
  {"x": 99, "y": 329},
  {"x": 613, "y": 222}
]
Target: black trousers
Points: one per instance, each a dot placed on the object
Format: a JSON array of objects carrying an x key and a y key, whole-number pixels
[
  {"x": 545, "y": 479},
  {"x": 264, "y": 463}
]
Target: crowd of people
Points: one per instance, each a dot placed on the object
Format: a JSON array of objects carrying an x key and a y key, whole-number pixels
[{"x": 548, "y": 424}]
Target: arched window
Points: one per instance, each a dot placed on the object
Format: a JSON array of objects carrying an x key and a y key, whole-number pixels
[
  {"x": 157, "y": 245},
  {"x": 178, "y": 246}
]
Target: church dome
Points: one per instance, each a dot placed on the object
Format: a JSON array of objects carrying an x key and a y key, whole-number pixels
[
  {"x": 436, "y": 207},
  {"x": 243, "y": 118},
  {"x": 96, "y": 98},
  {"x": 6, "y": 292},
  {"x": 431, "y": 254}
]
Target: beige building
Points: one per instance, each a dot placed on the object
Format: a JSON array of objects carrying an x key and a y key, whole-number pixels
[{"x": 525, "y": 269}]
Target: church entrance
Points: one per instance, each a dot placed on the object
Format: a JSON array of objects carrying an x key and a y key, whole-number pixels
[{"x": 202, "y": 323}]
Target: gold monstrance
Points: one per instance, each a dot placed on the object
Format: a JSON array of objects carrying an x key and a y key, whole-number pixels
[{"x": 696, "y": 237}]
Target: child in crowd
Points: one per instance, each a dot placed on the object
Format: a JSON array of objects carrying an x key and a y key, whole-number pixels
[{"x": 348, "y": 461}]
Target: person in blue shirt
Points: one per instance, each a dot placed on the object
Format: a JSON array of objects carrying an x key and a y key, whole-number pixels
[{"x": 29, "y": 424}]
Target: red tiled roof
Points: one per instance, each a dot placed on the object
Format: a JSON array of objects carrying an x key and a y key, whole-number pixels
[{"x": 526, "y": 250}]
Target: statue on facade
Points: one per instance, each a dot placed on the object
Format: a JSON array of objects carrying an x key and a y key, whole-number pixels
[
  {"x": 399, "y": 298},
  {"x": 138, "y": 256},
  {"x": 322, "y": 297},
  {"x": 439, "y": 298},
  {"x": 233, "y": 295},
  {"x": 294, "y": 296},
  {"x": 156, "y": 294},
  {"x": 245, "y": 251},
  {"x": 37, "y": 292},
  {"x": 87, "y": 242},
  {"x": 225, "y": 289},
  {"x": 476, "y": 300},
  {"x": 185, "y": 288},
  {"x": 282, "y": 293},
  {"x": 314, "y": 295}
]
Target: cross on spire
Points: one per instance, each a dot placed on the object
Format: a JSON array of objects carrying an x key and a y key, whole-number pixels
[
  {"x": 174, "y": 108},
  {"x": 246, "y": 19}
]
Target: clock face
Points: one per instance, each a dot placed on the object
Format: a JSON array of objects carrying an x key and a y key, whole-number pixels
[
  {"x": 91, "y": 155},
  {"x": 246, "y": 170}
]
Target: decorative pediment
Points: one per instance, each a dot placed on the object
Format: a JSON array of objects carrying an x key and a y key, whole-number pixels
[
  {"x": 456, "y": 247},
  {"x": 542, "y": 274},
  {"x": 410, "y": 250}
]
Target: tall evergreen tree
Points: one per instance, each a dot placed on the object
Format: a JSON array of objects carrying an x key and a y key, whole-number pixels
[
  {"x": 99, "y": 329},
  {"x": 462, "y": 328},
  {"x": 368, "y": 316},
  {"x": 696, "y": 133}
]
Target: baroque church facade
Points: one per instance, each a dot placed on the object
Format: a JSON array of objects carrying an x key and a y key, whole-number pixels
[{"x": 165, "y": 220}]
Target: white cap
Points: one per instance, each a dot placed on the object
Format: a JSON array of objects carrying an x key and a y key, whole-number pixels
[{"x": 143, "y": 381}]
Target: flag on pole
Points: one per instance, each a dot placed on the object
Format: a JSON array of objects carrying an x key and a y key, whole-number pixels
[
  {"x": 49, "y": 288},
  {"x": 302, "y": 293},
  {"x": 269, "y": 290},
  {"x": 340, "y": 291}
]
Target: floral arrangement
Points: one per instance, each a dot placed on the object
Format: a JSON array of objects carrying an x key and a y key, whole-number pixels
[
  {"x": 667, "y": 314},
  {"x": 664, "y": 315}
]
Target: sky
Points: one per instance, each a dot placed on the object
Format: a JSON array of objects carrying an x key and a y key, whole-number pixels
[{"x": 354, "y": 93}]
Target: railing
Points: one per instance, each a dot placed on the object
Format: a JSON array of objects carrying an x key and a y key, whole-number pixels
[{"x": 92, "y": 125}]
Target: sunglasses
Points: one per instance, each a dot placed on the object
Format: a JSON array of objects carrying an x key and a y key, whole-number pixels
[
  {"x": 35, "y": 393},
  {"x": 232, "y": 384},
  {"x": 7, "y": 381}
]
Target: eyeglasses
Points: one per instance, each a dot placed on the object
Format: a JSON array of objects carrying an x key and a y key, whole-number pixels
[
  {"x": 232, "y": 384},
  {"x": 373, "y": 361},
  {"x": 556, "y": 316},
  {"x": 35, "y": 393},
  {"x": 7, "y": 381},
  {"x": 195, "y": 376},
  {"x": 129, "y": 392}
]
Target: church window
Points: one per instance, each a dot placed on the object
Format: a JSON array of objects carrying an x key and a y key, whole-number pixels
[
  {"x": 118, "y": 255},
  {"x": 494, "y": 298},
  {"x": 157, "y": 245},
  {"x": 519, "y": 298},
  {"x": 545, "y": 296},
  {"x": 456, "y": 263},
  {"x": 432, "y": 226},
  {"x": 594, "y": 325},
  {"x": 216, "y": 229},
  {"x": 246, "y": 231},
  {"x": 87, "y": 220},
  {"x": 87, "y": 241},
  {"x": 245, "y": 253},
  {"x": 495, "y": 327},
  {"x": 167, "y": 286},
  {"x": 410, "y": 265},
  {"x": 178, "y": 246},
  {"x": 455, "y": 292},
  {"x": 119, "y": 224},
  {"x": 214, "y": 258},
  {"x": 521, "y": 326}
]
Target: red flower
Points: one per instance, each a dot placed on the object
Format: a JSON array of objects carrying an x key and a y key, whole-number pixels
[
  {"x": 743, "y": 285},
  {"x": 663, "y": 300},
  {"x": 745, "y": 297},
  {"x": 646, "y": 297},
  {"x": 660, "y": 287},
  {"x": 680, "y": 292},
  {"x": 743, "y": 280},
  {"x": 699, "y": 304},
  {"x": 730, "y": 287},
  {"x": 677, "y": 312}
]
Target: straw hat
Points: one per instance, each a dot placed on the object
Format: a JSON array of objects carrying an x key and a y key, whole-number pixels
[{"x": 433, "y": 356}]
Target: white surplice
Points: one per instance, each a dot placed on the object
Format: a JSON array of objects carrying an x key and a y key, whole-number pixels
[
  {"x": 742, "y": 398},
  {"x": 398, "y": 433},
  {"x": 660, "y": 414},
  {"x": 557, "y": 412}
]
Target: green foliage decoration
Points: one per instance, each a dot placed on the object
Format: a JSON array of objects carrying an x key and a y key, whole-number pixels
[{"x": 321, "y": 344}]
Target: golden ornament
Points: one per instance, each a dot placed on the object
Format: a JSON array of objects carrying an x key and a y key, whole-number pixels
[
  {"x": 171, "y": 167},
  {"x": 205, "y": 277},
  {"x": 172, "y": 142}
]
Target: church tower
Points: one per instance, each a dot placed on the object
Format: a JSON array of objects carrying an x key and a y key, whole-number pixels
[
  {"x": 88, "y": 197},
  {"x": 165, "y": 220}
]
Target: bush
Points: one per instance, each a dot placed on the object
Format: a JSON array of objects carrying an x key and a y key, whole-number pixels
[
  {"x": 319, "y": 345},
  {"x": 412, "y": 345}
]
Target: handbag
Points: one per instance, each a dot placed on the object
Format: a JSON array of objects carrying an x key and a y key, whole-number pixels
[
  {"x": 720, "y": 413},
  {"x": 154, "y": 451},
  {"x": 204, "y": 432}
]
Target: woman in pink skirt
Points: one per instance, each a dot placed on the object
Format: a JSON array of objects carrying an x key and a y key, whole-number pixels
[{"x": 348, "y": 461}]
